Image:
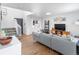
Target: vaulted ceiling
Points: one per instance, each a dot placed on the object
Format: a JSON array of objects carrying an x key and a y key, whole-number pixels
[{"x": 42, "y": 8}]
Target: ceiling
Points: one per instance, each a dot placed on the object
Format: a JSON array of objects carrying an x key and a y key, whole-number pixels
[{"x": 42, "y": 8}]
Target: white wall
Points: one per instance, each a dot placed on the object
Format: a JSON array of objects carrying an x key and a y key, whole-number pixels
[
  {"x": 32, "y": 28},
  {"x": 37, "y": 27},
  {"x": 70, "y": 22},
  {"x": 71, "y": 18},
  {"x": 28, "y": 26},
  {"x": 8, "y": 19}
]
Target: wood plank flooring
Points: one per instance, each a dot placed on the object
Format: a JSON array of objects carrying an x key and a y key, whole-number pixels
[{"x": 30, "y": 47}]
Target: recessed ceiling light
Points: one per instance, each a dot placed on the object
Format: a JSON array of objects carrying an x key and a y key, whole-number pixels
[
  {"x": 28, "y": 13},
  {"x": 48, "y": 13},
  {"x": 77, "y": 23}
]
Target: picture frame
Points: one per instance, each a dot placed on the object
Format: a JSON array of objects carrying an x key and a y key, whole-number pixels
[
  {"x": 33, "y": 22},
  {"x": 59, "y": 18}
]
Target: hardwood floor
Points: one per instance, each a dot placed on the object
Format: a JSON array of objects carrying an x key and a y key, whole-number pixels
[{"x": 30, "y": 47}]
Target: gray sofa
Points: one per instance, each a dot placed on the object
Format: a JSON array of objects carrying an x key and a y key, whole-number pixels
[{"x": 57, "y": 43}]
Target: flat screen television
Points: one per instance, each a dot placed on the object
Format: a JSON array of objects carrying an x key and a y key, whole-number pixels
[{"x": 60, "y": 27}]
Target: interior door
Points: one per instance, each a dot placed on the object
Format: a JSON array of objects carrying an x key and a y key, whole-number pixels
[{"x": 20, "y": 22}]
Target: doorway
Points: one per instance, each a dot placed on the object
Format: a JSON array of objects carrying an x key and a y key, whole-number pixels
[{"x": 20, "y": 22}]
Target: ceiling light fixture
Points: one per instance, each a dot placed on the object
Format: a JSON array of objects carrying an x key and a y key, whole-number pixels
[
  {"x": 28, "y": 13},
  {"x": 48, "y": 13}
]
